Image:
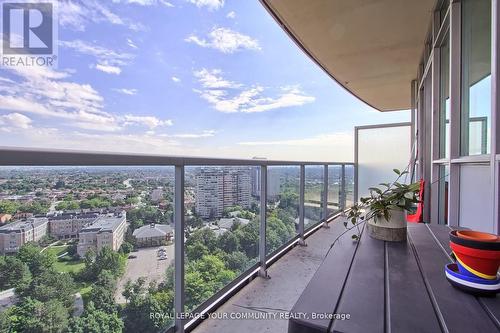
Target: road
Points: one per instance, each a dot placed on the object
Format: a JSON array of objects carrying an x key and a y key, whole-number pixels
[
  {"x": 7, "y": 299},
  {"x": 145, "y": 265}
]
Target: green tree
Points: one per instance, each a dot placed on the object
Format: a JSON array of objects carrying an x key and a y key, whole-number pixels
[
  {"x": 204, "y": 236},
  {"x": 157, "y": 304},
  {"x": 14, "y": 273},
  {"x": 289, "y": 199},
  {"x": 94, "y": 320},
  {"x": 51, "y": 285},
  {"x": 5, "y": 322},
  {"x": 126, "y": 247},
  {"x": 8, "y": 207},
  {"x": 37, "y": 261},
  {"x": 248, "y": 236},
  {"x": 196, "y": 251},
  {"x": 34, "y": 316},
  {"x": 103, "y": 292},
  {"x": 204, "y": 277},
  {"x": 229, "y": 242},
  {"x": 68, "y": 205},
  {"x": 236, "y": 261},
  {"x": 106, "y": 259},
  {"x": 195, "y": 222}
]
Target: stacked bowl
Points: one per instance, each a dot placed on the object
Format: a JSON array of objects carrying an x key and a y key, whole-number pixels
[{"x": 477, "y": 261}]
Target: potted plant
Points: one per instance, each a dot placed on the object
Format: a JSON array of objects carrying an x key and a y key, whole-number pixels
[{"x": 385, "y": 209}]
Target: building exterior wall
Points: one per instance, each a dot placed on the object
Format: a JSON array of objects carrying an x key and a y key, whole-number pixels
[
  {"x": 457, "y": 114},
  {"x": 153, "y": 241},
  {"x": 217, "y": 189},
  {"x": 96, "y": 237},
  {"x": 15, "y": 235},
  {"x": 68, "y": 228}
]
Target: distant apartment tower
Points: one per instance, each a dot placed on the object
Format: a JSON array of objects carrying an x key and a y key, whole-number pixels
[
  {"x": 104, "y": 231},
  {"x": 273, "y": 183},
  {"x": 15, "y": 235},
  {"x": 217, "y": 189},
  {"x": 69, "y": 225}
]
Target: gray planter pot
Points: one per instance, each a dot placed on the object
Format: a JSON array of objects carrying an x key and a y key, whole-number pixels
[{"x": 393, "y": 230}]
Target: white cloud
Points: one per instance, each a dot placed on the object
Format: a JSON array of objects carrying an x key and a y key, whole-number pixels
[
  {"x": 126, "y": 91},
  {"x": 176, "y": 79},
  {"x": 47, "y": 93},
  {"x": 146, "y": 2},
  {"x": 321, "y": 139},
  {"x": 231, "y": 15},
  {"x": 15, "y": 121},
  {"x": 228, "y": 96},
  {"x": 109, "y": 61},
  {"x": 78, "y": 15},
  {"x": 108, "y": 69},
  {"x": 210, "y": 4},
  {"x": 204, "y": 134},
  {"x": 131, "y": 43},
  {"x": 213, "y": 79},
  {"x": 288, "y": 97},
  {"x": 148, "y": 121},
  {"x": 166, "y": 3},
  {"x": 225, "y": 40}
]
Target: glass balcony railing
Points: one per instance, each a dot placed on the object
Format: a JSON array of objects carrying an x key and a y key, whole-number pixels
[
  {"x": 147, "y": 243},
  {"x": 283, "y": 192}
]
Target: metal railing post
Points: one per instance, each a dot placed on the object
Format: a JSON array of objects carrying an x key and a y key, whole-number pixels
[
  {"x": 342, "y": 194},
  {"x": 325, "y": 196},
  {"x": 356, "y": 163},
  {"x": 263, "y": 221},
  {"x": 301, "y": 203},
  {"x": 179, "y": 296}
]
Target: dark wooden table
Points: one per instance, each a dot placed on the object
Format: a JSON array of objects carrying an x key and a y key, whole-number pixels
[{"x": 391, "y": 287}]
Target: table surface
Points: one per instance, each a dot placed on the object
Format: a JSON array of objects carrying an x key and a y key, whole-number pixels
[{"x": 391, "y": 287}]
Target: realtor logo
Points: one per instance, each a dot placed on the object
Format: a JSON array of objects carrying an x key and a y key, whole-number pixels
[{"x": 29, "y": 33}]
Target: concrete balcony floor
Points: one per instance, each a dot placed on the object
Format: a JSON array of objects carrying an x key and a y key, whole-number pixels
[{"x": 289, "y": 276}]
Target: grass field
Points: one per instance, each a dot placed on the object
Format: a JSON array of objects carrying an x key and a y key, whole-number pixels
[
  {"x": 57, "y": 250},
  {"x": 69, "y": 265},
  {"x": 65, "y": 263}
]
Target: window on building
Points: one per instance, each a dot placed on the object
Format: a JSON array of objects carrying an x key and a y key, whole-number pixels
[
  {"x": 444, "y": 101},
  {"x": 476, "y": 77}
]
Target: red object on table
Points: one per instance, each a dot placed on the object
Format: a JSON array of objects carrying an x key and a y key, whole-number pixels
[{"x": 417, "y": 217}]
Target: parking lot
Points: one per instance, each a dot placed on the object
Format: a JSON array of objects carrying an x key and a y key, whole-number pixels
[{"x": 148, "y": 265}]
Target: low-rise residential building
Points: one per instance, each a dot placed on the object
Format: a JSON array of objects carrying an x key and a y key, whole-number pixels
[
  {"x": 4, "y": 218},
  {"x": 227, "y": 223},
  {"x": 153, "y": 235},
  {"x": 156, "y": 195},
  {"x": 68, "y": 225},
  {"x": 15, "y": 235},
  {"x": 108, "y": 230},
  {"x": 22, "y": 215}
]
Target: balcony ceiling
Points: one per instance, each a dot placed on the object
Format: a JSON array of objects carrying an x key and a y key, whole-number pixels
[{"x": 371, "y": 47}]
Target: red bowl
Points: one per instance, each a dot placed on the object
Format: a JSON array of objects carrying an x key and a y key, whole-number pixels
[
  {"x": 482, "y": 263},
  {"x": 477, "y": 236}
]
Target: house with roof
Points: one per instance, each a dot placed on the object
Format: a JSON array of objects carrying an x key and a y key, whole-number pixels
[{"x": 153, "y": 235}]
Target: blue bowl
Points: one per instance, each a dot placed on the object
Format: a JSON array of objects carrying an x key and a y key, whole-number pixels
[
  {"x": 454, "y": 270},
  {"x": 471, "y": 285}
]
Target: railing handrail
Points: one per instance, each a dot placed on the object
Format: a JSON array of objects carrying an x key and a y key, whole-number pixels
[
  {"x": 20, "y": 156},
  {"x": 14, "y": 156}
]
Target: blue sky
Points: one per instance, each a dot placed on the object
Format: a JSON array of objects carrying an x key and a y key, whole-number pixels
[{"x": 181, "y": 77}]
